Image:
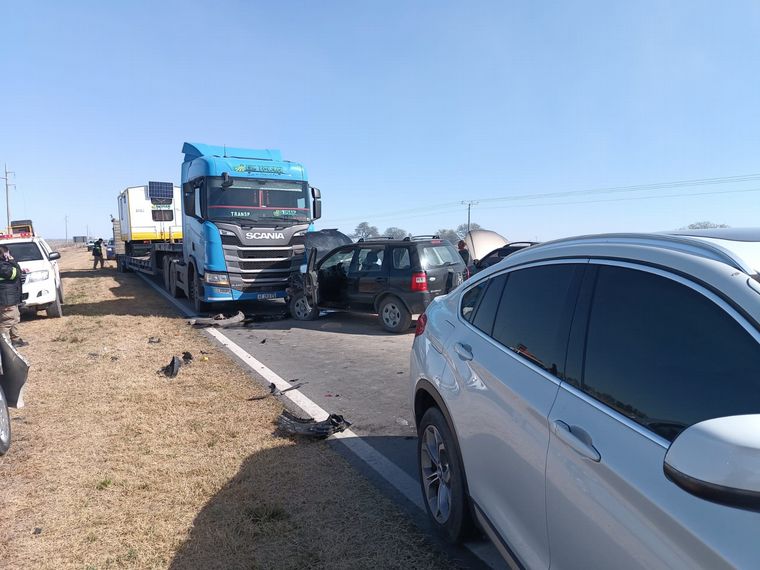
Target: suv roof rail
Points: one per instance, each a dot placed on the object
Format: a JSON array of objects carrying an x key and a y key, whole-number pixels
[
  {"x": 374, "y": 238},
  {"x": 422, "y": 237},
  {"x": 683, "y": 244}
]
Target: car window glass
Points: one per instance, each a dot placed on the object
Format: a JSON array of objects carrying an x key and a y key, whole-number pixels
[
  {"x": 470, "y": 300},
  {"x": 532, "y": 316},
  {"x": 25, "y": 251},
  {"x": 664, "y": 355},
  {"x": 369, "y": 259},
  {"x": 434, "y": 256},
  {"x": 486, "y": 310},
  {"x": 401, "y": 258},
  {"x": 337, "y": 261}
]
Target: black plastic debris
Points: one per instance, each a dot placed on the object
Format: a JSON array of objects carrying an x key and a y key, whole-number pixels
[
  {"x": 154, "y": 340},
  {"x": 187, "y": 357},
  {"x": 172, "y": 369},
  {"x": 263, "y": 341},
  {"x": 37, "y": 530},
  {"x": 274, "y": 391},
  {"x": 293, "y": 425},
  {"x": 219, "y": 320}
]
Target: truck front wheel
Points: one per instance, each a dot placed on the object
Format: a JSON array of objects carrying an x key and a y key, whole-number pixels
[{"x": 196, "y": 287}]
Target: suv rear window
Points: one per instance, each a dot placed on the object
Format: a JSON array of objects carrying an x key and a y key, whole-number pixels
[
  {"x": 434, "y": 256},
  {"x": 27, "y": 251}
]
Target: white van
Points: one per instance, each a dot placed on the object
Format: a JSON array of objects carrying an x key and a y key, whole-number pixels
[{"x": 41, "y": 288}]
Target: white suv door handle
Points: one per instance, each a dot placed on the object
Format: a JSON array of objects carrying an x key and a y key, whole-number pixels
[
  {"x": 463, "y": 351},
  {"x": 564, "y": 433}
]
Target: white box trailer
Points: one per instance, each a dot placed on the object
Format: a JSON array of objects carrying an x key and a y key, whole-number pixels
[{"x": 150, "y": 213}]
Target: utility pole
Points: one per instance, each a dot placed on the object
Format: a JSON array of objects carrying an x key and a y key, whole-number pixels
[
  {"x": 7, "y": 197},
  {"x": 66, "y": 223},
  {"x": 469, "y": 204}
]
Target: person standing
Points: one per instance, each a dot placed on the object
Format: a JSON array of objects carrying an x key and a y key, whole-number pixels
[
  {"x": 97, "y": 254},
  {"x": 10, "y": 297},
  {"x": 464, "y": 252}
]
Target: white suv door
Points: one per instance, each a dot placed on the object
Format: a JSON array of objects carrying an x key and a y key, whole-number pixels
[
  {"x": 507, "y": 354},
  {"x": 649, "y": 354}
]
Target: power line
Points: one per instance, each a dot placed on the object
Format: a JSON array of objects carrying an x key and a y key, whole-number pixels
[{"x": 450, "y": 206}]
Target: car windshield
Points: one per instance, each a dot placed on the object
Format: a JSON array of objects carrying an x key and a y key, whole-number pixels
[
  {"x": 27, "y": 251},
  {"x": 249, "y": 199},
  {"x": 442, "y": 255}
]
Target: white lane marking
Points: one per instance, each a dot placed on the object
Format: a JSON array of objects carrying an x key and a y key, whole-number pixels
[{"x": 388, "y": 470}]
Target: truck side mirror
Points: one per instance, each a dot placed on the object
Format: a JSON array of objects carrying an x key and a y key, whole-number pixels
[
  {"x": 317, "y": 205},
  {"x": 226, "y": 180}
]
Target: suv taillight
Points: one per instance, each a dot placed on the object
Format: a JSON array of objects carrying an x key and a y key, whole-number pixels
[
  {"x": 419, "y": 281},
  {"x": 421, "y": 322}
]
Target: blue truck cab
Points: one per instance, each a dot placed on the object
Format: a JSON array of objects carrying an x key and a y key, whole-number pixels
[{"x": 244, "y": 215}]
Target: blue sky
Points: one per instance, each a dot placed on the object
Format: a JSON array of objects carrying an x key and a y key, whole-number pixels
[{"x": 397, "y": 110}]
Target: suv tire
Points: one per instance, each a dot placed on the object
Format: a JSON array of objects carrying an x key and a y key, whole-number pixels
[
  {"x": 394, "y": 316},
  {"x": 301, "y": 309},
  {"x": 54, "y": 310},
  {"x": 5, "y": 425},
  {"x": 442, "y": 478}
]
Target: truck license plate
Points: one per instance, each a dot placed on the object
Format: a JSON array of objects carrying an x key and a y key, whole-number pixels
[{"x": 266, "y": 296}]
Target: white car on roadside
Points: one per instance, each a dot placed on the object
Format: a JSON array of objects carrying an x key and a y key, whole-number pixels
[{"x": 41, "y": 289}]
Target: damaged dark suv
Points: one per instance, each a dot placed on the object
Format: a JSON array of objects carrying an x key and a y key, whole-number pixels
[{"x": 394, "y": 278}]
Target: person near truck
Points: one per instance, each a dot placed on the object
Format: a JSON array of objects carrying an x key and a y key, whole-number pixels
[
  {"x": 464, "y": 252},
  {"x": 10, "y": 297},
  {"x": 97, "y": 254}
]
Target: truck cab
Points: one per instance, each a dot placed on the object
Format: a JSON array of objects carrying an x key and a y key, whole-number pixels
[{"x": 244, "y": 215}]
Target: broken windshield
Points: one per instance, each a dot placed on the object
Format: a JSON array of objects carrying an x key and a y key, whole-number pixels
[{"x": 257, "y": 199}]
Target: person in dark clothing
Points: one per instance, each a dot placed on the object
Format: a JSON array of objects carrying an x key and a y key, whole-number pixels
[
  {"x": 463, "y": 252},
  {"x": 10, "y": 297},
  {"x": 97, "y": 254}
]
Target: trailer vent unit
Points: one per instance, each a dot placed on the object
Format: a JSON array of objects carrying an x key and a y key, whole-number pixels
[{"x": 160, "y": 192}]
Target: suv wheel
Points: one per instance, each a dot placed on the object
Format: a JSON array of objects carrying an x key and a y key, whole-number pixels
[
  {"x": 5, "y": 425},
  {"x": 394, "y": 316},
  {"x": 442, "y": 477},
  {"x": 301, "y": 309}
]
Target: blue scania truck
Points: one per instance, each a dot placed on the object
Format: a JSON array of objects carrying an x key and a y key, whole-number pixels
[{"x": 245, "y": 214}]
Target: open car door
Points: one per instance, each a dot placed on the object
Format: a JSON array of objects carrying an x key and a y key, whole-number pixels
[{"x": 311, "y": 278}]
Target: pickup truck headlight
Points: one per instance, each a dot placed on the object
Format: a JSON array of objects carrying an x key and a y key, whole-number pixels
[
  {"x": 37, "y": 276},
  {"x": 217, "y": 279}
]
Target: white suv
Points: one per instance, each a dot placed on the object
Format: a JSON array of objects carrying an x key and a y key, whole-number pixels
[
  {"x": 41, "y": 279},
  {"x": 594, "y": 402}
]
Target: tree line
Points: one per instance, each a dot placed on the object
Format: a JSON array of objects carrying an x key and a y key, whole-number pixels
[{"x": 365, "y": 231}]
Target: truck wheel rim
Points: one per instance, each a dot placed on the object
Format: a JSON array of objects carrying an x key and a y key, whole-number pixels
[
  {"x": 436, "y": 474},
  {"x": 302, "y": 308},
  {"x": 391, "y": 315}
]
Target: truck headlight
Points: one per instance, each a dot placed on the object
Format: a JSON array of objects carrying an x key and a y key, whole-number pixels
[
  {"x": 217, "y": 279},
  {"x": 37, "y": 276}
]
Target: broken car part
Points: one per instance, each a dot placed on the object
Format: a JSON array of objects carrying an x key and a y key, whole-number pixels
[
  {"x": 293, "y": 425},
  {"x": 219, "y": 320},
  {"x": 172, "y": 369}
]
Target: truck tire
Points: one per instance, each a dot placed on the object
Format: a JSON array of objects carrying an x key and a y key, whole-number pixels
[
  {"x": 301, "y": 309},
  {"x": 393, "y": 315},
  {"x": 54, "y": 310},
  {"x": 5, "y": 425},
  {"x": 195, "y": 286}
]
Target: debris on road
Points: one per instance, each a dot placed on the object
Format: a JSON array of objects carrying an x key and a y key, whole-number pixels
[
  {"x": 263, "y": 341},
  {"x": 274, "y": 391},
  {"x": 172, "y": 369},
  {"x": 219, "y": 320},
  {"x": 187, "y": 357},
  {"x": 154, "y": 340},
  {"x": 293, "y": 425}
]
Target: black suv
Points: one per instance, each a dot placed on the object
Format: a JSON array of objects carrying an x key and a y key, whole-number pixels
[{"x": 394, "y": 278}]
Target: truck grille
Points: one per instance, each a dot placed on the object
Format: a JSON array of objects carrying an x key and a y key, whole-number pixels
[
  {"x": 260, "y": 269},
  {"x": 283, "y": 265}
]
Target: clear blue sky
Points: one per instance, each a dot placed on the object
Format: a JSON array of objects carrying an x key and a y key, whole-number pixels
[{"x": 397, "y": 109}]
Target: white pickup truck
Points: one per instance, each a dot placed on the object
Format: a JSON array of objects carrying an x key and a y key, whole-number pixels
[{"x": 41, "y": 288}]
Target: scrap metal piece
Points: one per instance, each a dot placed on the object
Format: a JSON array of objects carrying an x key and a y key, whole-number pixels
[
  {"x": 293, "y": 425},
  {"x": 219, "y": 320},
  {"x": 172, "y": 369},
  {"x": 14, "y": 370}
]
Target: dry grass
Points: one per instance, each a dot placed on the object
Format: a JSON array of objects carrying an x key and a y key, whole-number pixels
[{"x": 114, "y": 466}]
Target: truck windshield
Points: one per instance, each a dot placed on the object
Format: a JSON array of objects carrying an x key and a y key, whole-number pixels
[{"x": 254, "y": 200}]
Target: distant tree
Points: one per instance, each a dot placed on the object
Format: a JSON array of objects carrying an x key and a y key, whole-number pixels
[
  {"x": 450, "y": 235},
  {"x": 395, "y": 233},
  {"x": 704, "y": 226},
  {"x": 364, "y": 230},
  {"x": 462, "y": 229}
]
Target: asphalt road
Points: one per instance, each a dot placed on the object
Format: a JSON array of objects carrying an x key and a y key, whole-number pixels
[{"x": 347, "y": 364}]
